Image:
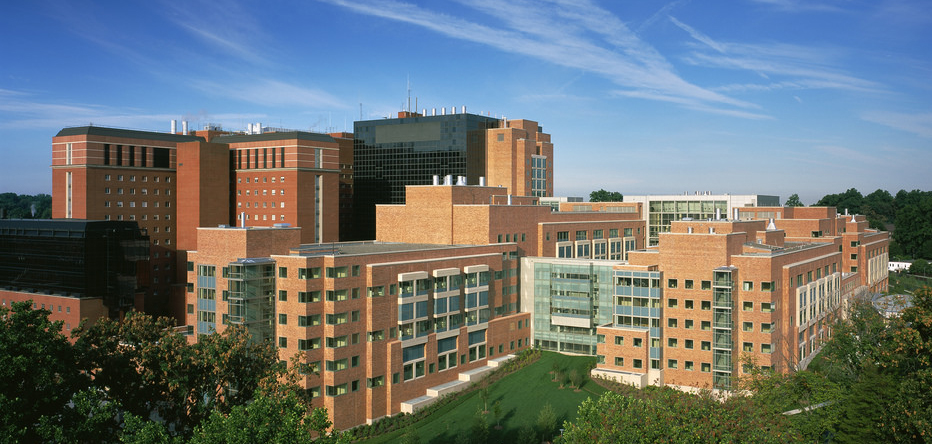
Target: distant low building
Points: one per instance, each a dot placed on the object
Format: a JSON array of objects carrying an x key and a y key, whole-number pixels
[{"x": 899, "y": 265}]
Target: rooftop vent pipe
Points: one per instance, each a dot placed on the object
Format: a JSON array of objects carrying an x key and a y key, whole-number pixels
[
  {"x": 481, "y": 181},
  {"x": 771, "y": 226},
  {"x": 174, "y": 126},
  {"x": 711, "y": 230},
  {"x": 460, "y": 181},
  {"x": 184, "y": 127},
  {"x": 448, "y": 180},
  {"x": 436, "y": 179}
]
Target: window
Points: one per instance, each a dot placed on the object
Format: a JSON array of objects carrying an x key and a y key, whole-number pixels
[
  {"x": 688, "y": 365},
  {"x": 283, "y": 295},
  {"x": 672, "y": 342},
  {"x": 671, "y": 283},
  {"x": 688, "y": 344},
  {"x": 748, "y": 306},
  {"x": 619, "y": 361},
  {"x": 747, "y": 326},
  {"x": 671, "y": 322},
  {"x": 282, "y": 342},
  {"x": 706, "y": 325},
  {"x": 706, "y": 305},
  {"x": 581, "y": 235},
  {"x": 706, "y": 345},
  {"x": 766, "y": 307},
  {"x": 671, "y": 363},
  {"x": 688, "y": 304},
  {"x": 766, "y": 327},
  {"x": 638, "y": 342},
  {"x": 706, "y": 285},
  {"x": 671, "y": 303},
  {"x": 637, "y": 363},
  {"x": 688, "y": 324},
  {"x": 308, "y": 296},
  {"x": 282, "y": 272},
  {"x": 765, "y": 348},
  {"x": 747, "y": 347},
  {"x": 619, "y": 340},
  {"x": 688, "y": 284},
  {"x": 748, "y": 286},
  {"x": 282, "y": 319}
]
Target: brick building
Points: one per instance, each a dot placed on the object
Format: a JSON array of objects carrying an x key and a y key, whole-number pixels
[
  {"x": 379, "y": 328},
  {"x": 259, "y": 179},
  {"x": 717, "y": 291}
]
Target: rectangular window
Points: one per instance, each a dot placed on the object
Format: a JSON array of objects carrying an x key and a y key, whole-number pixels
[
  {"x": 671, "y": 283},
  {"x": 766, "y": 307},
  {"x": 706, "y": 305},
  {"x": 619, "y": 340},
  {"x": 671, "y": 303},
  {"x": 282, "y": 272},
  {"x": 308, "y": 296},
  {"x": 688, "y": 304},
  {"x": 637, "y": 363},
  {"x": 619, "y": 361},
  {"x": 671, "y": 322},
  {"x": 688, "y": 344},
  {"x": 765, "y": 348},
  {"x": 706, "y": 345},
  {"x": 706, "y": 285},
  {"x": 748, "y": 286},
  {"x": 747, "y": 326},
  {"x": 688, "y": 284},
  {"x": 283, "y": 295},
  {"x": 706, "y": 325},
  {"x": 748, "y": 306},
  {"x": 672, "y": 342}
]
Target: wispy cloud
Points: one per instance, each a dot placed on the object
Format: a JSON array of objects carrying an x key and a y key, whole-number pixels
[
  {"x": 802, "y": 67},
  {"x": 802, "y": 5},
  {"x": 20, "y": 110},
  {"x": 572, "y": 33},
  {"x": 271, "y": 92},
  {"x": 919, "y": 123},
  {"x": 229, "y": 29}
]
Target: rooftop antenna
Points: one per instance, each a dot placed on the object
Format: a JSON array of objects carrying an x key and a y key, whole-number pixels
[
  {"x": 408, "y": 78},
  {"x": 360, "y": 110}
]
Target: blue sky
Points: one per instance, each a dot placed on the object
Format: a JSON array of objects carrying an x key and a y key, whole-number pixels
[{"x": 754, "y": 96}]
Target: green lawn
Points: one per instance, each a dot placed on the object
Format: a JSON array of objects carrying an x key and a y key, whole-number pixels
[{"x": 522, "y": 395}]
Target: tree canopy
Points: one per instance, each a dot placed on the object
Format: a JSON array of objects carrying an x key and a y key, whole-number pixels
[
  {"x": 910, "y": 212},
  {"x": 24, "y": 206},
  {"x": 605, "y": 196},
  {"x": 208, "y": 391},
  {"x": 793, "y": 201}
]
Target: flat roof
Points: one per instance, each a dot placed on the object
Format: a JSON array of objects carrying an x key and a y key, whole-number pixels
[
  {"x": 125, "y": 133},
  {"x": 286, "y": 135},
  {"x": 368, "y": 247}
]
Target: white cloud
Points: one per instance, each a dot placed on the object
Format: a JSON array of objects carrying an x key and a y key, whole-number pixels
[
  {"x": 571, "y": 33},
  {"x": 919, "y": 123}
]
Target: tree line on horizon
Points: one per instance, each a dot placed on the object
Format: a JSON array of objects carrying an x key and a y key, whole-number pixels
[{"x": 25, "y": 206}]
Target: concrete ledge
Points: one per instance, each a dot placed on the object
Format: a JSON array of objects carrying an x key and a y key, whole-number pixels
[
  {"x": 476, "y": 374},
  {"x": 499, "y": 361},
  {"x": 413, "y": 405},
  {"x": 450, "y": 387},
  {"x": 638, "y": 380}
]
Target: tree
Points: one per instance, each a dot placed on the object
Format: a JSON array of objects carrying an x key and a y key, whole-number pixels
[
  {"x": 666, "y": 415},
  {"x": 576, "y": 378},
  {"x": 497, "y": 413},
  {"x": 793, "y": 201},
  {"x": 920, "y": 267},
  {"x": 547, "y": 422},
  {"x": 38, "y": 376},
  {"x": 16, "y": 206},
  {"x": 157, "y": 370},
  {"x": 605, "y": 196},
  {"x": 479, "y": 430},
  {"x": 913, "y": 230},
  {"x": 484, "y": 396},
  {"x": 276, "y": 415},
  {"x": 850, "y": 200}
]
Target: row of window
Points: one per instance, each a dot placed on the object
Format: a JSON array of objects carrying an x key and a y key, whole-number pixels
[
  {"x": 563, "y": 236},
  {"x": 689, "y": 304},
  {"x": 119, "y": 178},
  {"x": 143, "y": 191},
  {"x": 265, "y": 179},
  {"x": 132, "y": 204}
]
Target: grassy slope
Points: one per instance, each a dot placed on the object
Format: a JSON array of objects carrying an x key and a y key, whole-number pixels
[{"x": 522, "y": 395}]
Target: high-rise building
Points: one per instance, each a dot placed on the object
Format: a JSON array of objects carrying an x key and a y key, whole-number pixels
[
  {"x": 412, "y": 148},
  {"x": 252, "y": 178}
]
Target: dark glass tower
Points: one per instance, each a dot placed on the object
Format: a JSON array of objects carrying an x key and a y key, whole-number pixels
[{"x": 410, "y": 150}]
